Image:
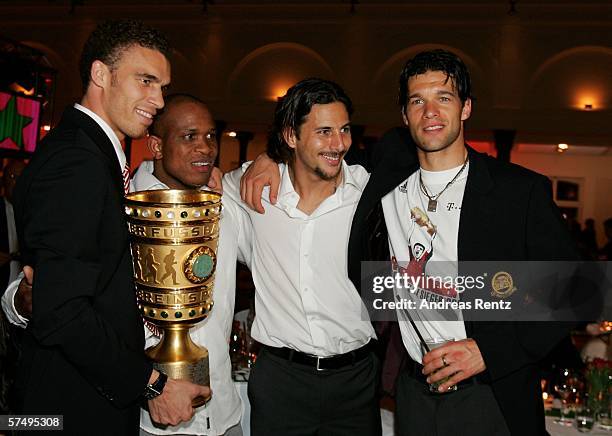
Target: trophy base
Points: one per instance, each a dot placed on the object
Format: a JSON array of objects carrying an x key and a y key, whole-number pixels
[
  {"x": 180, "y": 358},
  {"x": 196, "y": 372}
]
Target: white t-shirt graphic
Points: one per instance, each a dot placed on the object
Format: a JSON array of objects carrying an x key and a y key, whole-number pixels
[{"x": 424, "y": 244}]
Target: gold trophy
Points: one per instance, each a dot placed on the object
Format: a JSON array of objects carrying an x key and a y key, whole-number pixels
[{"x": 174, "y": 236}]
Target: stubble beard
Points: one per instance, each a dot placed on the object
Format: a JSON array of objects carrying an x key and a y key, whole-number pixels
[
  {"x": 445, "y": 143},
  {"x": 325, "y": 176}
]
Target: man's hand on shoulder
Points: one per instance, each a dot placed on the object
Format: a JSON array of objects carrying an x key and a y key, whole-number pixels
[
  {"x": 214, "y": 183},
  {"x": 262, "y": 172},
  {"x": 174, "y": 405}
]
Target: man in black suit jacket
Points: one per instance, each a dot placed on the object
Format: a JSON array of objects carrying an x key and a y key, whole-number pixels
[
  {"x": 82, "y": 349},
  {"x": 506, "y": 213}
]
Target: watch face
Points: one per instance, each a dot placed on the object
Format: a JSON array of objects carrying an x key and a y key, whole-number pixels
[
  {"x": 152, "y": 391},
  {"x": 156, "y": 388}
]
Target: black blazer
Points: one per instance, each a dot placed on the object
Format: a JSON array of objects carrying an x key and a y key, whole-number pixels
[
  {"x": 83, "y": 349},
  {"x": 507, "y": 214}
]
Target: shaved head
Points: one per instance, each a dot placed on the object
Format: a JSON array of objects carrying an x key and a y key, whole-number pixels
[
  {"x": 158, "y": 125},
  {"x": 183, "y": 141}
]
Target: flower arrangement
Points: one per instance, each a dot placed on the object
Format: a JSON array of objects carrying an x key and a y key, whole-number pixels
[{"x": 599, "y": 383}]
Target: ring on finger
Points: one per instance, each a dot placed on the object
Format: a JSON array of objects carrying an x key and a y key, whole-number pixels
[{"x": 444, "y": 362}]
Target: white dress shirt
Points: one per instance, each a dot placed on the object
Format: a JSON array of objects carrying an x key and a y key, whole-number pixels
[
  {"x": 304, "y": 299},
  {"x": 109, "y": 132},
  {"x": 8, "y": 298},
  {"x": 224, "y": 409}
]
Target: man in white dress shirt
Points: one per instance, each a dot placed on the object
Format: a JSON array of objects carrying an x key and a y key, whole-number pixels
[
  {"x": 183, "y": 141},
  {"x": 316, "y": 373}
]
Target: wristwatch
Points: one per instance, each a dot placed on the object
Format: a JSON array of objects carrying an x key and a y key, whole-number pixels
[{"x": 156, "y": 388}]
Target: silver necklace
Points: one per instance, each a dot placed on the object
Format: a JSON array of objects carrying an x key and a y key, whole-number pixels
[{"x": 432, "y": 205}]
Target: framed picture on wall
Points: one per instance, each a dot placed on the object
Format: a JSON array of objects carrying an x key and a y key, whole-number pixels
[{"x": 567, "y": 193}]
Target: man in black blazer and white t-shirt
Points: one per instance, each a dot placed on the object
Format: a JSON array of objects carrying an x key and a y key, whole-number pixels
[{"x": 481, "y": 209}]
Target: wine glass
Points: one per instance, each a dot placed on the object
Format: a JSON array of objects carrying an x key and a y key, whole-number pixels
[{"x": 565, "y": 389}]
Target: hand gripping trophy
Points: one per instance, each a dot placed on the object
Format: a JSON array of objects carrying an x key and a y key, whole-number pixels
[{"x": 174, "y": 236}]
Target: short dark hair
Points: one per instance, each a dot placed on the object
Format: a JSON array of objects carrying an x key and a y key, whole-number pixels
[
  {"x": 436, "y": 60},
  {"x": 111, "y": 38},
  {"x": 292, "y": 109},
  {"x": 170, "y": 101}
]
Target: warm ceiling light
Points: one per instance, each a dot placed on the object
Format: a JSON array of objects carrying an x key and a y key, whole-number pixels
[
  {"x": 20, "y": 89},
  {"x": 562, "y": 147},
  {"x": 46, "y": 127},
  {"x": 232, "y": 134},
  {"x": 279, "y": 90},
  {"x": 588, "y": 99},
  {"x": 280, "y": 93}
]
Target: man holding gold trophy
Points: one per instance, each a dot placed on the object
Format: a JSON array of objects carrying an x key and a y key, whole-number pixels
[
  {"x": 82, "y": 349},
  {"x": 183, "y": 142}
]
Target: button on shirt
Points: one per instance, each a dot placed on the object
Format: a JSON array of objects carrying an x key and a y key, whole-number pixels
[{"x": 304, "y": 299}]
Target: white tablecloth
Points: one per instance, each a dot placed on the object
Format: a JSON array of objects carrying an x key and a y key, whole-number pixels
[
  {"x": 560, "y": 430},
  {"x": 553, "y": 428}
]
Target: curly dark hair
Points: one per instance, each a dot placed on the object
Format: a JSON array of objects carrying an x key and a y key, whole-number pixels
[
  {"x": 436, "y": 60},
  {"x": 111, "y": 38},
  {"x": 292, "y": 110}
]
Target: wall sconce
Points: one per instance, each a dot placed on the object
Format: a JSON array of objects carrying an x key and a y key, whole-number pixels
[
  {"x": 231, "y": 134},
  {"x": 588, "y": 107}
]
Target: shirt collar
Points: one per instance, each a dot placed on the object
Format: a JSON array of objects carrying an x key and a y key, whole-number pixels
[
  {"x": 144, "y": 179},
  {"x": 289, "y": 196},
  {"x": 349, "y": 179},
  {"x": 109, "y": 132}
]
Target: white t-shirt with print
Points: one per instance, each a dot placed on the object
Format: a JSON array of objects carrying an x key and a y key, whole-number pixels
[{"x": 424, "y": 243}]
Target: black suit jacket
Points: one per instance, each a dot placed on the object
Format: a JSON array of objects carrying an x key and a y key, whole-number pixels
[
  {"x": 507, "y": 214},
  {"x": 83, "y": 349}
]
